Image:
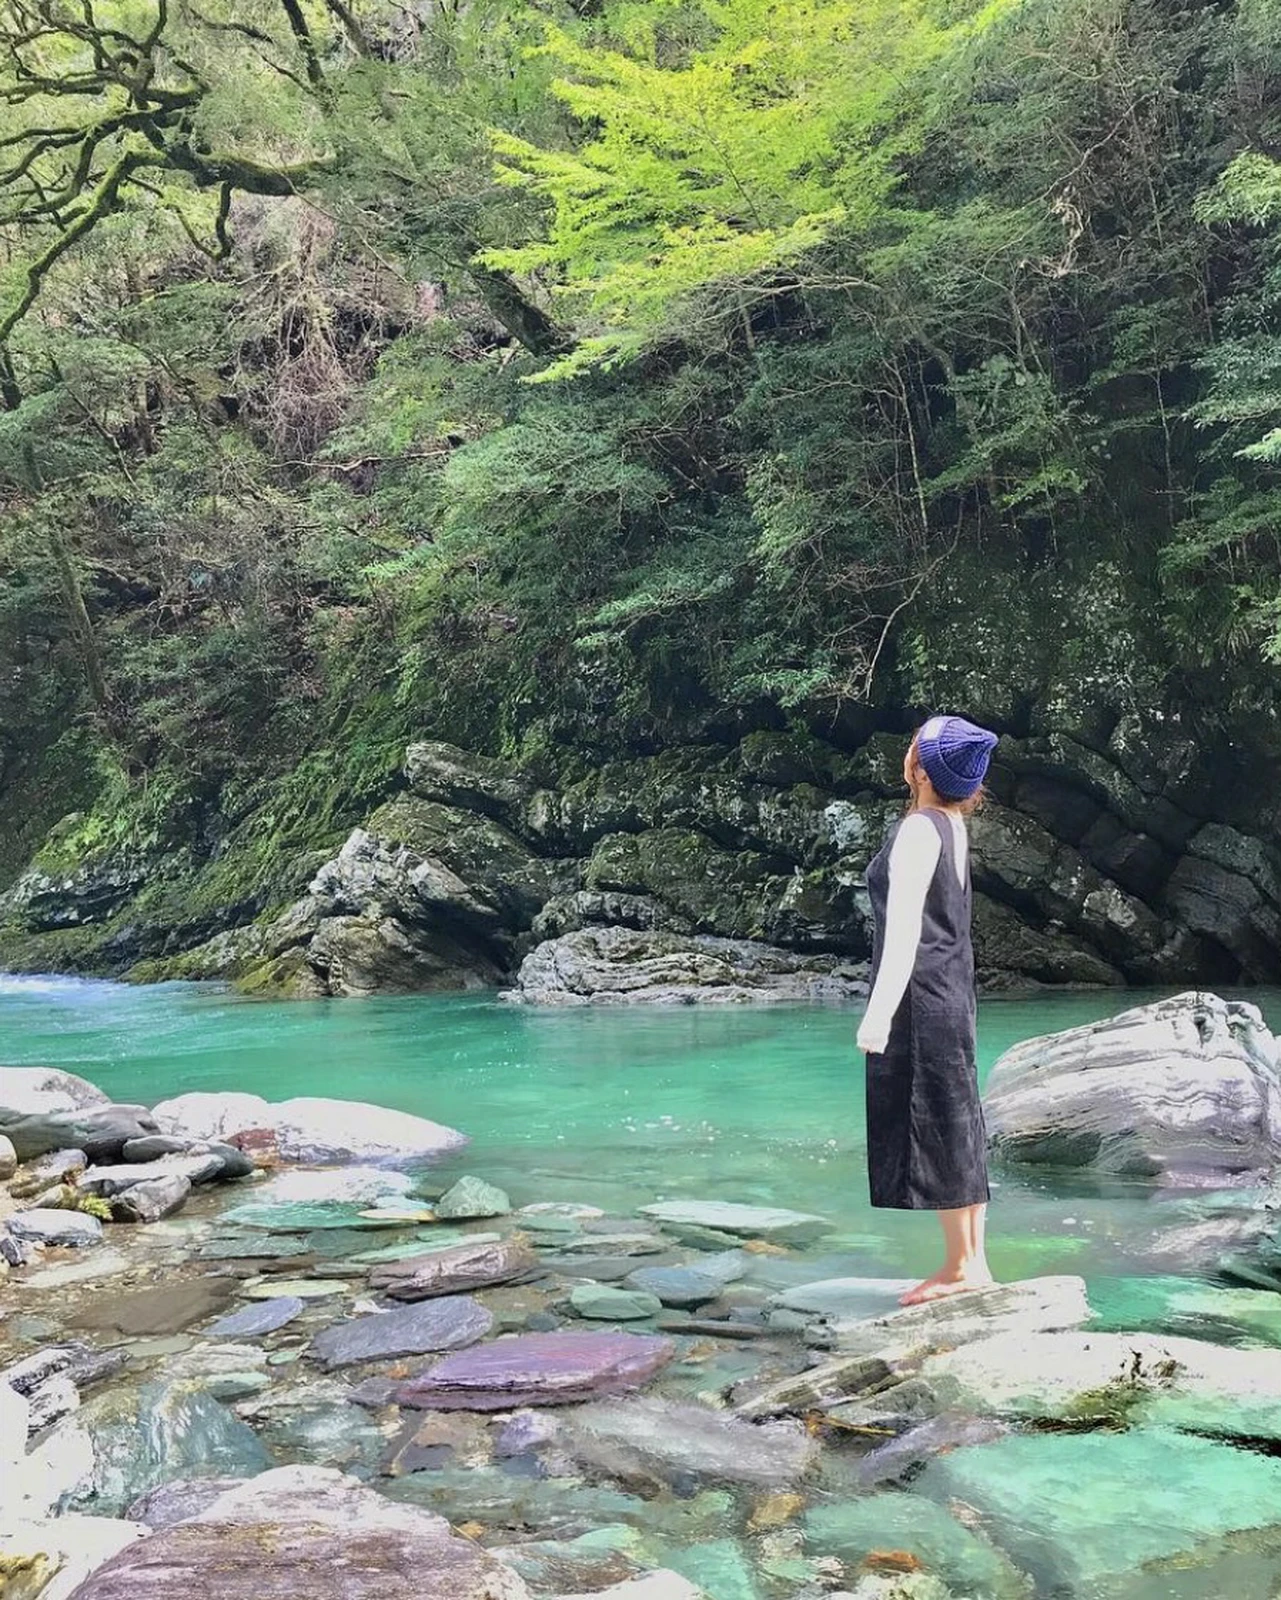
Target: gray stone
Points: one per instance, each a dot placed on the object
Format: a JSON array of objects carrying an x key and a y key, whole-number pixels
[
  {"x": 175, "y": 1502},
  {"x": 689, "y": 1286},
  {"x": 8, "y": 1159},
  {"x": 306, "y": 1531},
  {"x": 471, "y": 1198},
  {"x": 749, "y": 1222},
  {"x": 319, "y": 1130},
  {"x": 1185, "y": 1088},
  {"x": 116, "y": 1179},
  {"x": 57, "y": 1167},
  {"x": 463, "y": 1268},
  {"x": 254, "y": 1321},
  {"x": 601, "y": 1303},
  {"x": 37, "y": 1091},
  {"x": 646, "y": 1438},
  {"x": 154, "y": 1146},
  {"x": 1033, "y": 1305},
  {"x": 846, "y": 1299},
  {"x": 443, "y": 1324},
  {"x": 253, "y": 1246},
  {"x": 525, "y": 1431},
  {"x": 216, "y": 1117},
  {"x": 538, "y": 1369},
  {"x": 56, "y": 1227},
  {"x": 101, "y": 1131},
  {"x": 168, "y": 1308},
  {"x": 152, "y": 1200}
]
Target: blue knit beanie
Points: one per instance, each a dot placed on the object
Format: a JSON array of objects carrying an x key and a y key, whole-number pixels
[{"x": 955, "y": 754}]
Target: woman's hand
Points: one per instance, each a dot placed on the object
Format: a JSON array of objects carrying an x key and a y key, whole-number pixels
[{"x": 873, "y": 1037}]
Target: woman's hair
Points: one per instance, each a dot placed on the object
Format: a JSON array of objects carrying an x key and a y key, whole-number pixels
[{"x": 966, "y": 807}]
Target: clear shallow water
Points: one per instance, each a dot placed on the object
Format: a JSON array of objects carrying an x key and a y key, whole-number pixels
[{"x": 612, "y": 1107}]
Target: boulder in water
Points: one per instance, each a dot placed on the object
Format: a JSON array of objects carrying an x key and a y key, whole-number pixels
[
  {"x": 212, "y": 1116},
  {"x": 644, "y": 1438},
  {"x": 56, "y": 1227},
  {"x": 101, "y": 1131},
  {"x": 471, "y": 1199},
  {"x": 1188, "y": 1089},
  {"x": 306, "y": 1531},
  {"x": 175, "y": 1502},
  {"x": 37, "y": 1091}
]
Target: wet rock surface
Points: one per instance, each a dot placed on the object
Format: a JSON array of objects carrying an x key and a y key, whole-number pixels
[{"x": 431, "y": 1325}]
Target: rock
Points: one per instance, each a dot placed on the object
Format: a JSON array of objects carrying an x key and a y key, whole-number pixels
[
  {"x": 644, "y": 1438},
  {"x": 306, "y": 1531},
  {"x": 538, "y": 1369},
  {"x": 167, "y": 1309},
  {"x": 748, "y": 1222},
  {"x": 142, "y": 1438},
  {"x": 438, "y": 1441},
  {"x": 463, "y": 1268},
  {"x": 1184, "y": 1089},
  {"x": 311, "y": 1130},
  {"x": 1033, "y": 1305},
  {"x": 855, "y": 1529},
  {"x": 15, "y": 1252},
  {"x": 471, "y": 1198},
  {"x": 39, "y": 1091},
  {"x": 59, "y": 1166},
  {"x": 569, "y": 1210},
  {"x": 301, "y": 1288},
  {"x": 525, "y": 1431},
  {"x": 319, "y": 1130},
  {"x": 235, "y": 1163},
  {"x": 253, "y": 1322},
  {"x": 56, "y": 1227},
  {"x": 426, "y": 1242},
  {"x": 693, "y": 1285},
  {"x": 52, "y": 1400},
  {"x": 115, "y": 1180},
  {"x": 623, "y": 1244},
  {"x": 252, "y": 1246},
  {"x": 154, "y": 1146},
  {"x": 621, "y": 966},
  {"x": 50, "y": 1558},
  {"x": 175, "y": 1502},
  {"x": 1063, "y": 1505},
  {"x": 8, "y": 1159},
  {"x": 845, "y": 1299},
  {"x": 898, "y": 1457},
  {"x": 661, "y": 1584},
  {"x": 212, "y": 1116},
  {"x": 600, "y": 1303},
  {"x": 357, "y": 1186},
  {"x": 152, "y": 1200},
  {"x": 1159, "y": 1379},
  {"x": 82, "y": 1364},
  {"x": 445, "y": 1324},
  {"x": 586, "y": 1565},
  {"x": 459, "y": 778},
  {"x": 101, "y": 1131}
]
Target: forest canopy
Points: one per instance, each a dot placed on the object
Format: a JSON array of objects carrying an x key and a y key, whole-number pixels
[{"x": 553, "y": 375}]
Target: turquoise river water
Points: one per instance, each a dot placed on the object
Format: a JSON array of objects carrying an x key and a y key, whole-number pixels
[{"x": 615, "y": 1107}]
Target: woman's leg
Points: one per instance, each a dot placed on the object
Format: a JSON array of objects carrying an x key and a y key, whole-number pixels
[{"x": 965, "y": 1258}]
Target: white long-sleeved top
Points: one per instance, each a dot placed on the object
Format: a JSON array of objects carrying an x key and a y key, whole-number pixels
[{"x": 914, "y": 856}]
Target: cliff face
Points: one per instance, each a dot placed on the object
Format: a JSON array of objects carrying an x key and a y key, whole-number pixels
[{"x": 1148, "y": 859}]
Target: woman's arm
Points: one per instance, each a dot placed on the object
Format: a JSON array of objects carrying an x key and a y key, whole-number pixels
[{"x": 913, "y": 858}]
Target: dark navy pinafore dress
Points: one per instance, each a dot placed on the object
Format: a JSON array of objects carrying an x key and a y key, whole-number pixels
[{"x": 926, "y": 1139}]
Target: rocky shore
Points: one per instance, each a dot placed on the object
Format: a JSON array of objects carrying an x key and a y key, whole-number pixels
[
  {"x": 706, "y": 873},
  {"x": 266, "y": 1350}
]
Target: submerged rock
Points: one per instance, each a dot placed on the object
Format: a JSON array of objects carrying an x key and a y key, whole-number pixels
[
  {"x": 1033, "y": 1305},
  {"x": 471, "y": 1198},
  {"x": 254, "y": 1321},
  {"x": 644, "y": 1438},
  {"x": 169, "y": 1308},
  {"x": 616, "y": 965},
  {"x": 306, "y": 1531},
  {"x": 690, "y": 1286},
  {"x": 856, "y": 1528},
  {"x": 1188, "y": 1088},
  {"x": 175, "y": 1502},
  {"x": 748, "y": 1222},
  {"x": 465, "y": 1267},
  {"x": 445, "y": 1324},
  {"x": 538, "y": 1369},
  {"x": 601, "y": 1303}
]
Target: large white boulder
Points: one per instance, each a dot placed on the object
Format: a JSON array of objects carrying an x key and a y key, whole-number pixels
[
  {"x": 37, "y": 1091},
  {"x": 313, "y": 1130},
  {"x": 1187, "y": 1089}
]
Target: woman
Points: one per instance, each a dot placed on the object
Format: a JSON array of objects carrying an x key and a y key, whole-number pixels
[{"x": 926, "y": 1141}]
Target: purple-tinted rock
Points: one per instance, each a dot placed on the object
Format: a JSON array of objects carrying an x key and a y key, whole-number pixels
[
  {"x": 465, "y": 1267},
  {"x": 252, "y": 1322},
  {"x": 175, "y": 1502},
  {"x": 538, "y": 1369},
  {"x": 526, "y": 1431},
  {"x": 445, "y": 1324}
]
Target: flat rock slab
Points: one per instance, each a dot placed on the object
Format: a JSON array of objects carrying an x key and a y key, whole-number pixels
[
  {"x": 538, "y": 1369},
  {"x": 253, "y": 1246},
  {"x": 167, "y": 1309},
  {"x": 56, "y": 1227},
  {"x": 1034, "y": 1305},
  {"x": 748, "y": 1222},
  {"x": 847, "y": 1299},
  {"x": 424, "y": 1244},
  {"x": 302, "y": 1288},
  {"x": 689, "y": 1286},
  {"x": 306, "y": 1531},
  {"x": 432, "y": 1325},
  {"x": 644, "y": 1438},
  {"x": 252, "y": 1322},
  {"x": 175, "y": 1502},
  {"x": 455, "y": 1271},
  {"x": 299, "y": 1216},
  {"x": 1187, "y": 1088},
  {"x": 1106, "y": 1377},
  {"x": 600, "y": 1302}
]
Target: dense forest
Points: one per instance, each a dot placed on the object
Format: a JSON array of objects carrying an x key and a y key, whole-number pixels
[{"x": 584, "y": 380}]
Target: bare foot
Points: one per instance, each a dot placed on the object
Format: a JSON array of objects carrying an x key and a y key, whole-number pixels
[{"x": 946, "y": 1283}]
